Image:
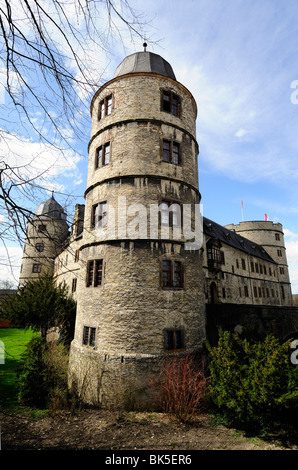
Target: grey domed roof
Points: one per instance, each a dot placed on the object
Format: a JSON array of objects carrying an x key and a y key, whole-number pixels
[
  {"x": 51, "y": 208},
  {"x": 145, "y": 62}
]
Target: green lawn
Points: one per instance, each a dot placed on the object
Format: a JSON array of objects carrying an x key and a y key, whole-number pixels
[{"x": 15, "y": 341}]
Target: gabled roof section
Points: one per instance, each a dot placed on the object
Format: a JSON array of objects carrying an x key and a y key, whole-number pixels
[{"x": 229, "y": 237}]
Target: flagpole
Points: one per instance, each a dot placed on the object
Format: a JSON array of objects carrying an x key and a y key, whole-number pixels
[{"x": 242, "y": 209}]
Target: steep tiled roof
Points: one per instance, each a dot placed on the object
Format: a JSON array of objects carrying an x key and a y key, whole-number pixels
[{"x": 229, "y": 237}]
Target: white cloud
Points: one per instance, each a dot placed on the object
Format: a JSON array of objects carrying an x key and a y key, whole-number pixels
[
  {"x": 26, "y": 160},
  {"x": 10, "y": 263}
]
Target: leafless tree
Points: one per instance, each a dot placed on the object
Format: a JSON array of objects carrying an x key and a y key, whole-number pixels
[{"x": 53, "y": 56}]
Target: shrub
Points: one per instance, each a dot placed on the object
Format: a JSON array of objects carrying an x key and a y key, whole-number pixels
[
  {"x": 32, "y": 375},
  {"x": 182, "y": 387},
  {"x": 43, "y": 375},
  {"x": 252, "y": 382}
]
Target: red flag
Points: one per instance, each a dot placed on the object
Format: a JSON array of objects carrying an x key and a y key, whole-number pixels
[
  {"x": 242, "y": 204},
  {"x": 266, "y": 217}
]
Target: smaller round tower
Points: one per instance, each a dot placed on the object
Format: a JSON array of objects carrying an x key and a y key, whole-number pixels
[
  {"x": 271, "y": 237},
  {"x": 46, "y": 232}
]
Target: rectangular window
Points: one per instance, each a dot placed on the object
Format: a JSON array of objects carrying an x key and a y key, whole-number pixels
[
  {"x": 223, "y": 293},
  {"x": 102, "y": 155},
  {"x": 174, "y": 339},
  {"x": 42, "y": 228},
  {"x": 176, "y": 153},
  {"x": 279, "y": 253},
  {"x": 265, "y": 270},
  {"x": 171, "y": 152},
  {"x": 170, "y": 213},
  {"x": 255, "y": 292},
  {"x": 261, "y": 269},
  {"x": 172, "y": 275},
  {"x": 109, "y": 104},
  {"x": 177, "y": 279},
  {"x": 166, "y": 150},
  {"x": 74, "y": 285},
  {"x": 89, "y": 336},
  {"x": 252, "y": 266},
  {"x": 277, "y": 236},
  {"x": 94, "y": 273},
  {"x": 282, "y": 270},
  {"x": 215, "y": 255},
  {"x": 36, "y": 268},
  {"x": 99, "y": 215},
  {"x": 105, "y": 107},
  {"x": 243, "y": 263},
  {"x": 257, "y": 267},
  {"x": 77, "y": 255},
  {"x": 246, "y": 291},
  {"x": 282, "y": 292},
  {"x": 166, "y": 274},
  {"x": 170, "y": 103}
]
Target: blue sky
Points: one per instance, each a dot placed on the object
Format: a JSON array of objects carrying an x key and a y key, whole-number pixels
[{"x": 239, "y": 59}]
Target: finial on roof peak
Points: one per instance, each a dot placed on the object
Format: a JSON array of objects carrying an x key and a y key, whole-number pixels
[{"x": 145, "y": 46}]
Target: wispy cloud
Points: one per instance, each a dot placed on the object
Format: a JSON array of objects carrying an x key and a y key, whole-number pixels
[{"x": 35, "y": 161}]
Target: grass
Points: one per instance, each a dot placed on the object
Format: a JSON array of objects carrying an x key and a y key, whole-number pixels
[{"x": 15, "y": 341}]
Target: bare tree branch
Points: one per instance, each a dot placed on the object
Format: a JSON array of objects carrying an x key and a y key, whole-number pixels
[{"x": 52, "y": 55}]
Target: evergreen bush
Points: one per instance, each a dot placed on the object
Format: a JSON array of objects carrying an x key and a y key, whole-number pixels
[
  {"x": 252, "y": 383},
  {"x": 42, "y": 378}
]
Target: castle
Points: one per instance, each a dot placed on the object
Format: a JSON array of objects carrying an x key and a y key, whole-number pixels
[{"x": 140, "y": 260}]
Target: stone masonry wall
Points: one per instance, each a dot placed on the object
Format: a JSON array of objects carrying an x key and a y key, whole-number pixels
[{"x": 130, "y": 310}]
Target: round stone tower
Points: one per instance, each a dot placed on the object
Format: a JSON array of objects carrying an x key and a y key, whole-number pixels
[
  {"x": 271, "y": 237},
  {"x": 141, "y": 293},
  {"x": 46, "y": 232}
]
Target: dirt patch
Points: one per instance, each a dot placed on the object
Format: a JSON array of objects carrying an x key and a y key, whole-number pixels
[{"x": 106, "y": 430}]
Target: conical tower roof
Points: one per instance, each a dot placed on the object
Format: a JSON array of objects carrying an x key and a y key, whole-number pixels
[
  {"x": 51, "y": 208},
  {"x": 145, "y": 62}
]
